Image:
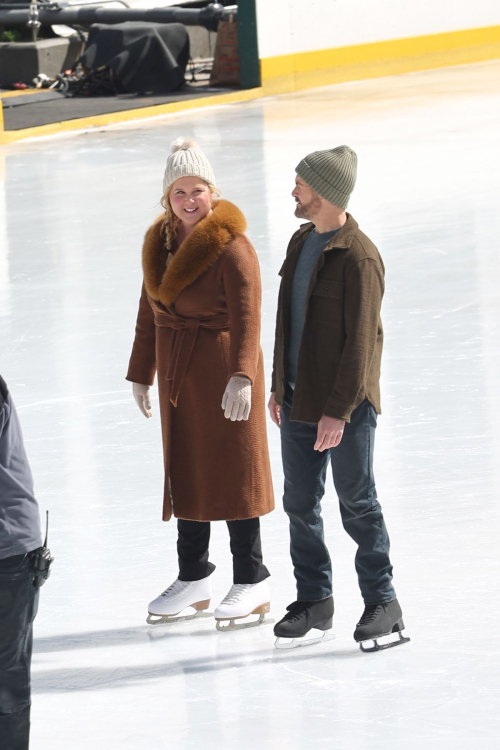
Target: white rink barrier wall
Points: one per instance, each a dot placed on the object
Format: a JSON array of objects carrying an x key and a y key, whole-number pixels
[{"x": 305, "y": 43}]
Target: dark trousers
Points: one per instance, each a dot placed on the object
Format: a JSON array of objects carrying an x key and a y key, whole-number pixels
[
  {"x": 18, "y": 607},
  {"x": 352, "y": 467},
  {"x": 246, "y": 548}
]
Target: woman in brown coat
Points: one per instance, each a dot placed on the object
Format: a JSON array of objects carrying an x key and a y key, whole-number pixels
[{"x": 198, "y": 327}]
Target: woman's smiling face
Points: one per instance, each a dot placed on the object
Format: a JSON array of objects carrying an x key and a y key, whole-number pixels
[{"x": 191, "y": 199}]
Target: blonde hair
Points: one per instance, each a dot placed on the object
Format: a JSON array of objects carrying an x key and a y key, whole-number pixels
[{"x": 171, "y": 222}]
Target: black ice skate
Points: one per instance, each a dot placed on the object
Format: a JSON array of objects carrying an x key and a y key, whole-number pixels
[
  {"x": 302, "y": 617},
  {"x": 379, "y": 620}
]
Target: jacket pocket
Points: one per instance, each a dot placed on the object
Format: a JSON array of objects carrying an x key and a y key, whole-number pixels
[
  {"x": 326, "y": 304},
  {"x": 329, "y": 289}
]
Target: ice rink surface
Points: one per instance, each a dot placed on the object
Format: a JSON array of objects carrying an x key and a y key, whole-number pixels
[{"x": 73, "y": 213}]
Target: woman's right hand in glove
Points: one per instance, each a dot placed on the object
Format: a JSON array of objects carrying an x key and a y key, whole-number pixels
[{"x": 143, "y": 398}]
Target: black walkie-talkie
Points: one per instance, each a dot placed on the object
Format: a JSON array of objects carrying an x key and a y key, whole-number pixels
[{"x": 42, "y": 560}]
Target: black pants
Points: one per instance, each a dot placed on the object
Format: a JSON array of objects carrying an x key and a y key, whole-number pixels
[
  {"x": 18, "y": 607},
  {"x": 246, "y": 548}
]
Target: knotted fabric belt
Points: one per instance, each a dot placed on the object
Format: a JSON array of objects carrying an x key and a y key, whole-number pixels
[{"x": 186, "y": 333}]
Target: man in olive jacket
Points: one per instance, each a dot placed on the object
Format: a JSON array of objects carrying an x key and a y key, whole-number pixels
[{"x": 326, "y": 396}]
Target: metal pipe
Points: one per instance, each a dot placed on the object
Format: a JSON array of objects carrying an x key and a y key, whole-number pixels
[
  {"x": 208, "y": 17},
  {"x": 33, "y": 22},
  {"x": 60, "y": 6},
  {"x": 96, "y": 3}
]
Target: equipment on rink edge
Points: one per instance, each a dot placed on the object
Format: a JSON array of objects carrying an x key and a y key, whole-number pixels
[
  {"x": 42, "y": 560},
  {"x": 14, "y": 14},
  {"x": 301, "y": 618},
  {"x": 136, "y": 57},
  {"x": 242, "y": 601},
  {"x": 159, "y": 71},
  {"x": 179, "y": 596},
  {"x": 378, "y": 621},
  {"x": 226, "y": 67},
  {"x": 81, "y": 82}
]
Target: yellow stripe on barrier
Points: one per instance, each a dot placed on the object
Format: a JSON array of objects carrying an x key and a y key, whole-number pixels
[{"x": 322, "y": 67}]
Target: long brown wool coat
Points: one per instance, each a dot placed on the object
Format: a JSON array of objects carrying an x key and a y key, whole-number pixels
[{"x": 198, "y": 325}]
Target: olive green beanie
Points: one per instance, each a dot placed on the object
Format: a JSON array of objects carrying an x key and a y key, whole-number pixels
[{"x": 331, "y": 173}]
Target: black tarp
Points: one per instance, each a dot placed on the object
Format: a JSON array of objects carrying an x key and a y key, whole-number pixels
[{"x": 145, "y": 57}]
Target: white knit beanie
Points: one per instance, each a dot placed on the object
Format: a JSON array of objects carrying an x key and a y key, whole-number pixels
[{"x": 187, "y": 160}]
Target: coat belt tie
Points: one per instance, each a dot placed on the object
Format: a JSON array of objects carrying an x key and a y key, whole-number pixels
[{"x": 186, "y": 333}]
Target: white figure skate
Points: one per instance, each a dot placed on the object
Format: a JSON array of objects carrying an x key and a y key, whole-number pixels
[
  {"x": 243, "y": 600},
  {"x": 181, "y": 595}
]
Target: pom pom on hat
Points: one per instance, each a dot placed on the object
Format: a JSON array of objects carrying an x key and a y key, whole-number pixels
[
  {"x": 187, "y": 160},
  {"x": 182, "y": 144}
]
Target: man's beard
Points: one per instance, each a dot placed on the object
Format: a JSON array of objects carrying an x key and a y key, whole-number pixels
[{"x": 308, "y": 210}]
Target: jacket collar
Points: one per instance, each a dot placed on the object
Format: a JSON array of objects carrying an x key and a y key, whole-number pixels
[
  {"x": 341, "y": 239},
  {"x": 193, "y": 257}
]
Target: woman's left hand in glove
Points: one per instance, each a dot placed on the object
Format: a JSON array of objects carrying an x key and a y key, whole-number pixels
[{"x": 237, "y": 399}]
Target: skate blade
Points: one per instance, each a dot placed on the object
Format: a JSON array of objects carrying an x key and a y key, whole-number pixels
[
  {"x": 383, "y": 646},
  {"x": 169, "y": 619},
  {"x": 289, "y": 643},
  {"x": 233, "y": 625}
]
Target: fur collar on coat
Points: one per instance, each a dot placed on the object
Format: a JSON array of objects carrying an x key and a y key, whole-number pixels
[{"x": 197, "y": 253}]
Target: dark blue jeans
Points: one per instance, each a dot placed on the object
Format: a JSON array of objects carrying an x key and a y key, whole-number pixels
[
  {"x": 18, "y": 607},
  {"x": 352, "y": 467}
]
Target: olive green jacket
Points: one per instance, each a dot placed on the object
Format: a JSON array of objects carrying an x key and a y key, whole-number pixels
[{"x": 341, "y": 345}]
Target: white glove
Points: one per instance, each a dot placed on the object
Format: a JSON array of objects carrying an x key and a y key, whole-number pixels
[
  {"x": 237, "y": 399},
  {"x": 143, "y": 398}
]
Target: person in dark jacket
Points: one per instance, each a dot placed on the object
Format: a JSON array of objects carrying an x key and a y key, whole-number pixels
[
  {"x": 20, "y": 537},
  {"x": 325, "y": 399}
]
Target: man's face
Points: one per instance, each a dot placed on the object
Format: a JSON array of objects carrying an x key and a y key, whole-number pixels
[{"x": 308, "y": 203}]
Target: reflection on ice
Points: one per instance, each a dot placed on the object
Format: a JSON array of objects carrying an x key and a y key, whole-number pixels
[{"x": 428, "y": 195}]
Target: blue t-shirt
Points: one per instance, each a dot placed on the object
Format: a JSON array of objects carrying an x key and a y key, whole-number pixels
[{"x": 314, "y": 245}]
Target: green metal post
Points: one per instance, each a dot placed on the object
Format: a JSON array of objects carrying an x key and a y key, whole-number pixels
[{"x": 248, "y": 44}]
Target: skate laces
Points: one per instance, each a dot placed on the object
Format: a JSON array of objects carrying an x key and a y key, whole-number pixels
[
  {"x": 237, "y": 592},
  {"x": 176, "y": 587},
  {"x": 370, "y": 613},
  {"x": 295, "y": 610}
]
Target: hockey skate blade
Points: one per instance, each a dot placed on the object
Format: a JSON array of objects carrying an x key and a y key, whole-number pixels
[
  {"x": 284, "y": 644},
  {"x": 383, "y": 646},
  {"x": 200, "y": 612}
]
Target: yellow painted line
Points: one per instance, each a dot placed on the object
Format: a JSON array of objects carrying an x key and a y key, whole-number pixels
[
  {"x": 463, "y": 45},
  {"x": 97, "y": 121},
  {"x": 23, "y": 92},
  {"x": 288, "y": 73}
]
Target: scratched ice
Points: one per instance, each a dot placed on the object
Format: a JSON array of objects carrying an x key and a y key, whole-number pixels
[{"x": 428, "y": 194}]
